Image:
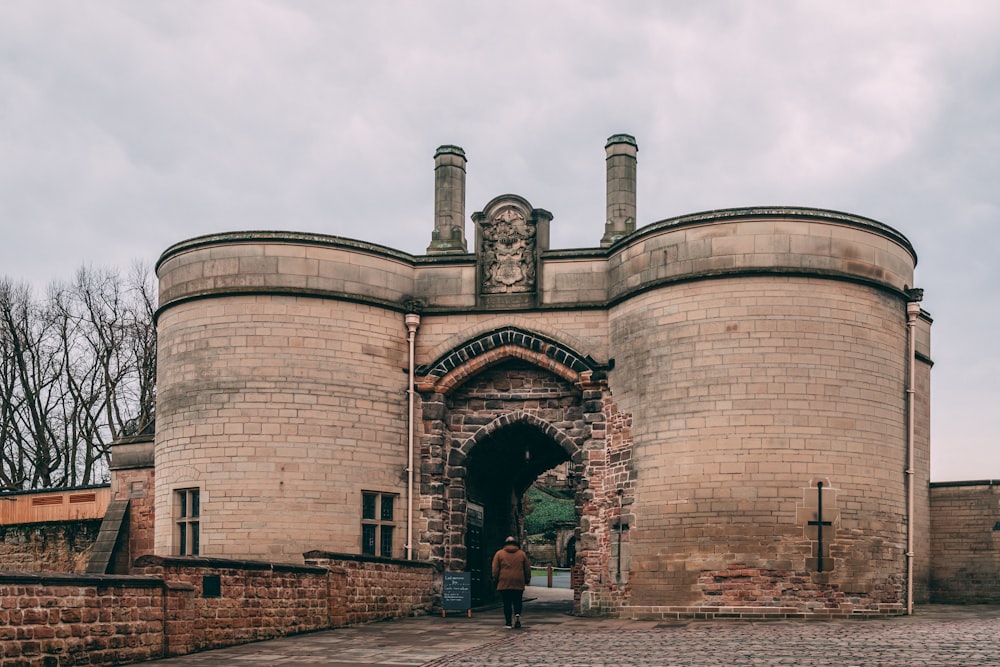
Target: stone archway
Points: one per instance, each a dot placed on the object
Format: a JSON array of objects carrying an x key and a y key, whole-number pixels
[
  {"x": 502, "y": 461},
  {"x": 514, "y": 404}
]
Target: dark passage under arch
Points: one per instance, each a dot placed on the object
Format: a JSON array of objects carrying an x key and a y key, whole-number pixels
[{"x": 499, "y": 469}]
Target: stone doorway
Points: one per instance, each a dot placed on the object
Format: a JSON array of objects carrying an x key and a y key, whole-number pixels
[
  {"x": 498, "y": 472},
  {"x": 498, "y": 411}
]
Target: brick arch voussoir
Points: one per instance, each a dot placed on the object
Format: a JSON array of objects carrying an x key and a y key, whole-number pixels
[
  {"x": 457, "y": 376},
  {"x": 506, "y": 321},
  {"x": 519, "y": 417},
  {"x": 473, "y": 356}
]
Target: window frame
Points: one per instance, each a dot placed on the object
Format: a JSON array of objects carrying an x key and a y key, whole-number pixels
[
  {"x": 187, "y": 521},
  {"x": 378, "y": 526}
]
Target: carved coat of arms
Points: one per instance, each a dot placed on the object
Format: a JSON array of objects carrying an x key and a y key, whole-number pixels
[{"x": 508, "y": 258}]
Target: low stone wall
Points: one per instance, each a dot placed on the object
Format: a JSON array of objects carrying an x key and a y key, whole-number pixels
[
  {"x": 365, "y": 589},
  {"x": 58, "y": 546},
  {"x": 212, "y": 603},
  {"x": 965, "y": 549},
  {"x": 55, "y": 619},
  {"x": 175, "y": 606}
]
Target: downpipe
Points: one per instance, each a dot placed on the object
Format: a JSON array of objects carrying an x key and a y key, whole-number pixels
[
  {"x": 412, "y": 321},
  {"x": 912, "y": 312}
]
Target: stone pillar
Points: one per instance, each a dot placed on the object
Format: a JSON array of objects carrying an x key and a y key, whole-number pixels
[
  {"x": 449, "y": 202},
  {"x": 621, "y": 161}
]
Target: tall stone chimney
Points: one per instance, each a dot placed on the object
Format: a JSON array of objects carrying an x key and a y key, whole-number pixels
[
  {"x": 449, "y": 202},
  {"x": 621, "y": 150}
]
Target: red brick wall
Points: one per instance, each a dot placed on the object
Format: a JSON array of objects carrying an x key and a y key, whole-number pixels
[
  {"x": 258, "y": 601},
  {"x": 137, "y": 486},
  {"x": 364, "y": 589},
  {"x": 64, "y": 619},
  {"x": 965, "y": 548}
]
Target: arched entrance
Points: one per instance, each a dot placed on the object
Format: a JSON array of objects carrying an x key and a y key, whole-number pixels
[
  {"x": 499, "y": 469},
  {"x": 499, "y": 411}
]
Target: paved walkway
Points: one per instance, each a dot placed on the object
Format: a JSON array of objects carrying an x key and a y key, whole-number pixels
[{"x": 935, "y": 635}]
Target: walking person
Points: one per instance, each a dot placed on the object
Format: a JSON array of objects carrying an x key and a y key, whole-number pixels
[{"x": 511, "y": 572}]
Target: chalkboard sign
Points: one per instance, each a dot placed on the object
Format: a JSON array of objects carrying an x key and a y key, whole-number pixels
[{"x": 456, "y": 592}]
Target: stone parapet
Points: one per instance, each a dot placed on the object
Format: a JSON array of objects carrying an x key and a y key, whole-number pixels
[{"x": 732, "y": 242}]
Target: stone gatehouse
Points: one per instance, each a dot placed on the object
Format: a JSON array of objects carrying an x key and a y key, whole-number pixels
[{"x": 742, "y": 398}]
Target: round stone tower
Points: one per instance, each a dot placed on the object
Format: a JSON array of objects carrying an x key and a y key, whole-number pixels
[
  {"x": 763, "y": 356},
  {"x": 281, "y": 403}
]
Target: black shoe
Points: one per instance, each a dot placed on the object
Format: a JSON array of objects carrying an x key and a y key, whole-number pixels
[{"x": 517, "y": 621}]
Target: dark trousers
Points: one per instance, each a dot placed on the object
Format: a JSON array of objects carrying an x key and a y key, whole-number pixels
[{"x": 512, "y": 601}]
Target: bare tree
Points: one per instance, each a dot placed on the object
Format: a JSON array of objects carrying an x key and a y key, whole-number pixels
[
  {"x": 34, "y": 386},
  {"x": 77, "y": 372}
]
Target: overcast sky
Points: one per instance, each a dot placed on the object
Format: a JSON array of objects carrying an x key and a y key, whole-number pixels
[{"x": 128, "y": 126}]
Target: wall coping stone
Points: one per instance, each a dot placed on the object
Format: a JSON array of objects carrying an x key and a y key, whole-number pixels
[
  {"x": 314, "y": 555},
  {"x": 224, "y": 563},
  {"x": 59, "y": 579},
  {"x": 974, "y": 482}
]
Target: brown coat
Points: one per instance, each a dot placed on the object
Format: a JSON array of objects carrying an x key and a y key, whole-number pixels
[{"x": 511, "y": 569}]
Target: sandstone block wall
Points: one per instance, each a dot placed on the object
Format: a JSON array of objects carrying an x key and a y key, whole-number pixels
[
  {"x": 765, "y": 386},
  {"x": 923, "y": 564},
  {"x": 744, "y": 241},
  {"x": 965, "y": 547},
  {"x": 281, "y": 414}
]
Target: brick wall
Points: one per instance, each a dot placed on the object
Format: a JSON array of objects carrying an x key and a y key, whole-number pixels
[
  {"x": 366, "y": 589},
  {"x": 254, "y": 601},
  {"x": 62, "y": 546},
  {"x": 56, "y": 619},
  {"x": 170, "y": 608},
  {"x": 965, "y": 549},
  {"x": 133, "y": 479}
]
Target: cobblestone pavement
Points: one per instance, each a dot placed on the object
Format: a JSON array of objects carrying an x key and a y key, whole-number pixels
[{"x": 934, "y": 636}]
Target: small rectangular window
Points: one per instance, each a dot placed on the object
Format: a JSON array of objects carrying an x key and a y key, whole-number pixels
[
  {"x": 377, "y": 523},
  {"x": 368, "y": 505},
  {"x": 368, "y": 539},
  {"x": 385, "y": 546},
  {"x": 188, "y": 521}
]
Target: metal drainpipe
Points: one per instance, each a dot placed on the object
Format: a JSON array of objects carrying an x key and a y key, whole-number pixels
[
  {"x": 412, "y": 322},
  {"x": 912, "y": 312}
]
